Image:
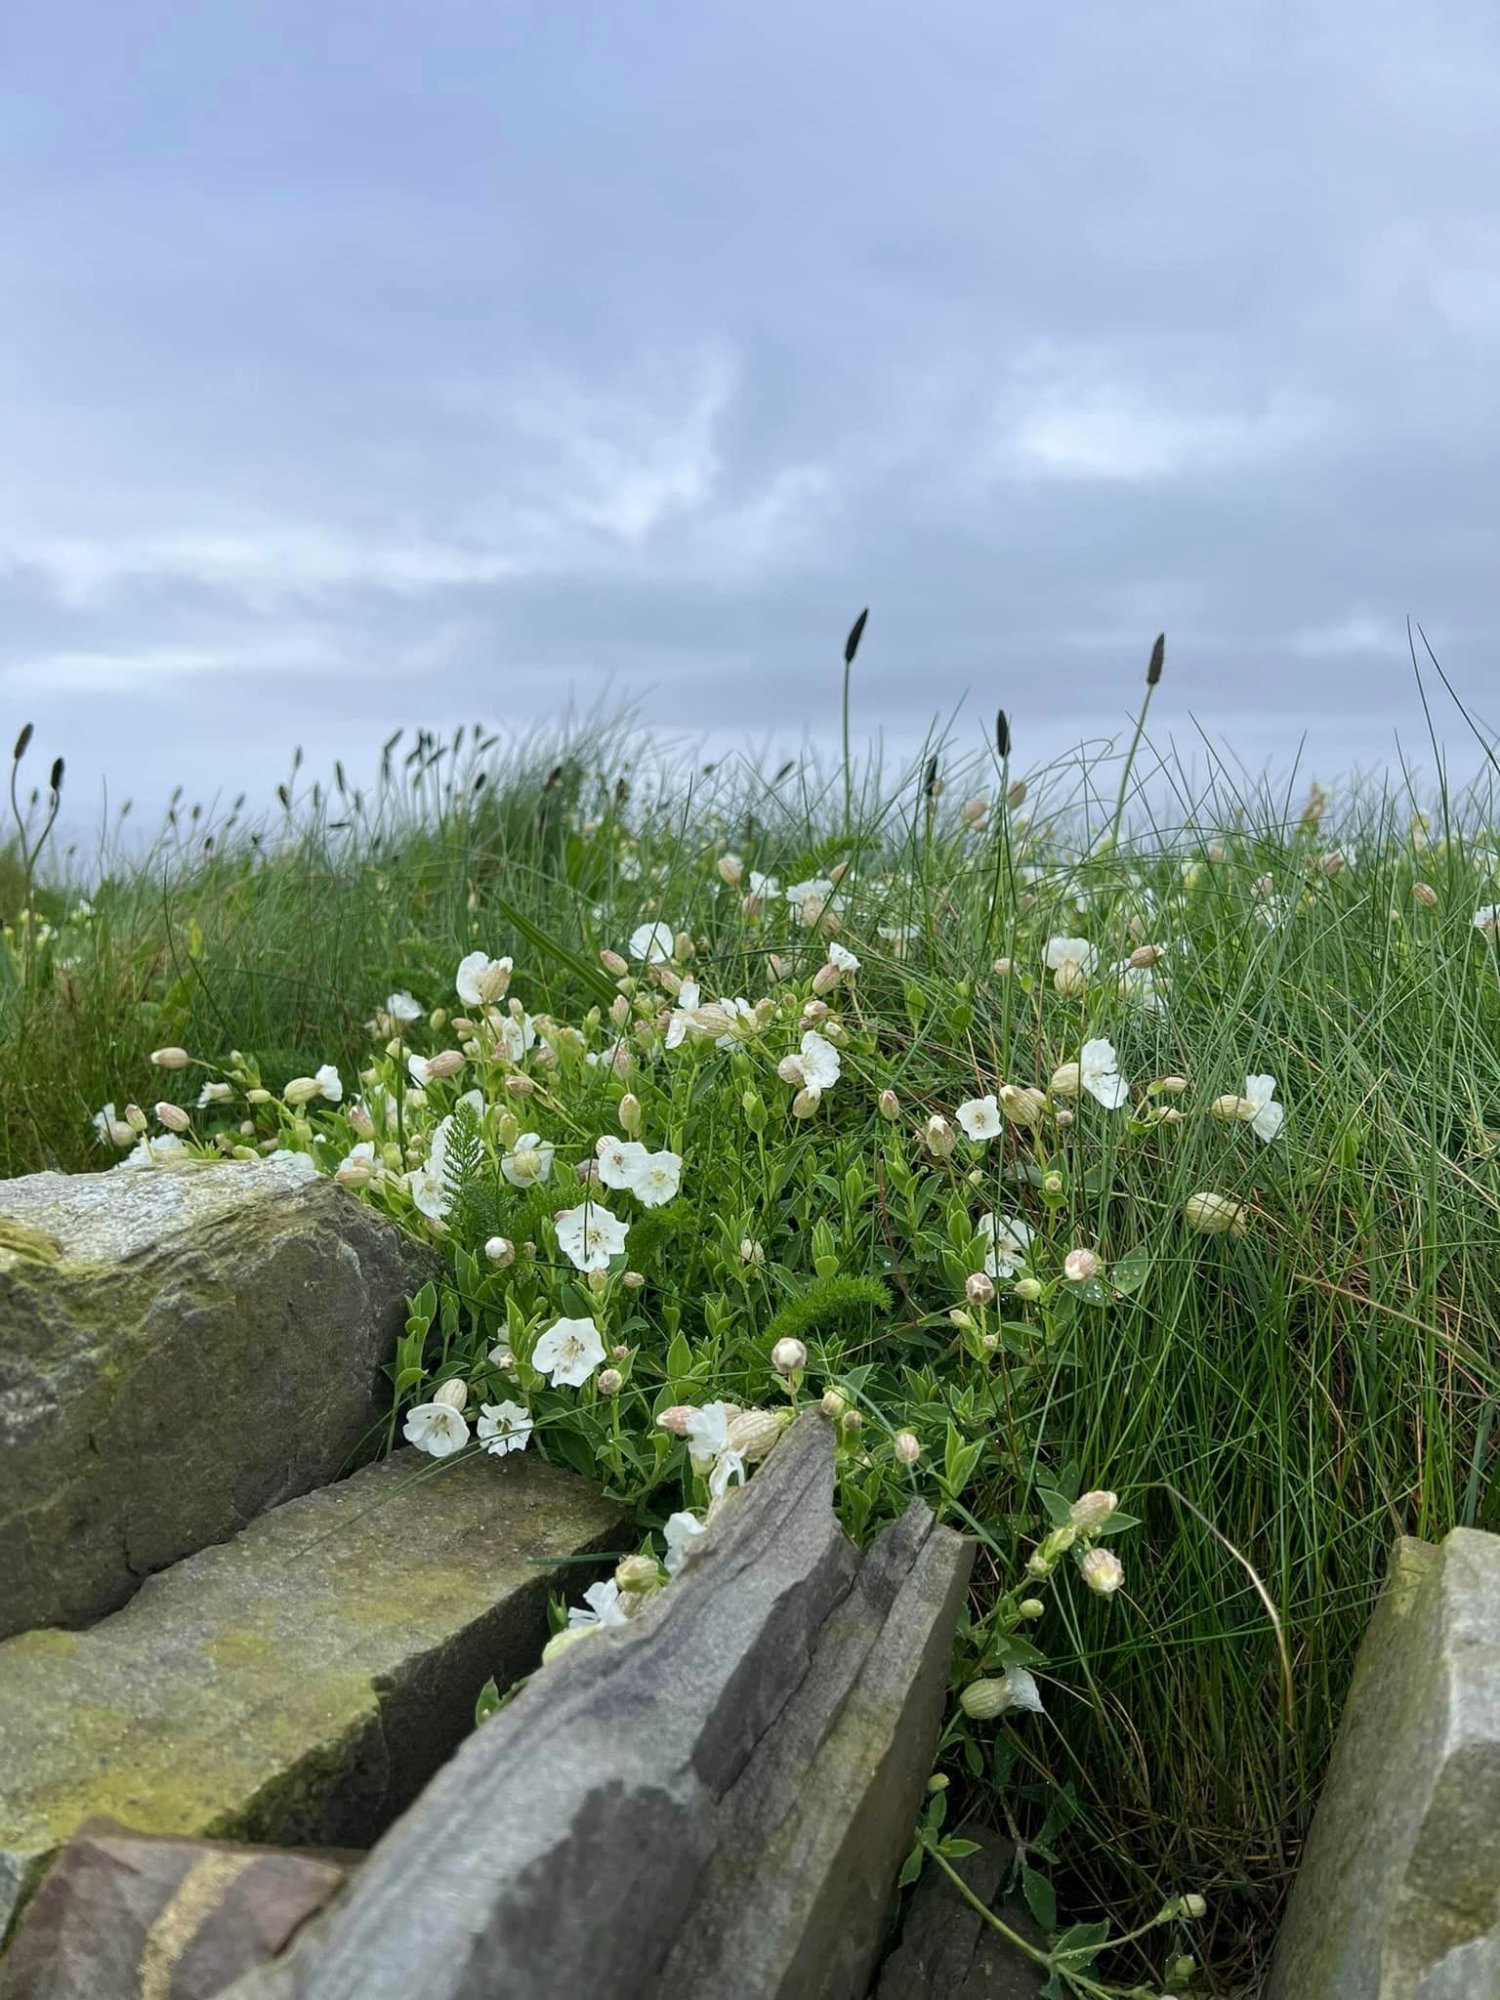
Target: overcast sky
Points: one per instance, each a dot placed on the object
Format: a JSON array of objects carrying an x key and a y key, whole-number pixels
[{"x": 415, "y": 360}]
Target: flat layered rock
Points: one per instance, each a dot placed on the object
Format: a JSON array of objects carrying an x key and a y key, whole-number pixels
[
  {"x": 300, "y": 1684},
  {"x": 123, "y": 1915},
  {"x": 184, "y": 1347},
  {"x": 714, "y": 1798},
  {"x": 1398, "y": 1895}
]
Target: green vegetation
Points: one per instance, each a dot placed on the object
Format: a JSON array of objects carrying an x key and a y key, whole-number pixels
[{"x": 1272, "y": 1401}]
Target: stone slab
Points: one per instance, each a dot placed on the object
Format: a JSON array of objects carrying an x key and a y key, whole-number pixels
[
  {"x": 947, "y": 1951},
  {"x": 122, "y": 1915},
  {"x": 300, "y": 1684},
  {"x": 585, "y": 1832},
  {"x": 184, "y": 1347},
  {"x": 1398, "y": 1894}
]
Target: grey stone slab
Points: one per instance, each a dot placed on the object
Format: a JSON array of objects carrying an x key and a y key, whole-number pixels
[
  {"x": 1398, "y": 1894},
  {"x": 183, "y": 1348},
  {"x": 809, "y": 1839},
  {"x": 778, "y": 1695},
  {"x": 947, "y": 1951},
  {"x": 299, "y": 1684}
]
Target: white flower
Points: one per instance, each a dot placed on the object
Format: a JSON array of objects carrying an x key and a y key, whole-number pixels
[
  {"x": 211, "y": 1093},
  {"x": 401, "y": 1007},
  {"x": 529, "y": 1161},
  {"x": 1022, "y": 1690},
  {"x": 481, "y": 980},
  {"x": 681, "y": 1529},
  {"x": 707, "y": 1432},
  {"x": 589, "y": 1236},
  {"x": 843, "y": 958},
  {"x": 436, "y": 1428},
  {"x": 817, "y": 889},
  {"x": 428, "y": 1183},
  {"x": 980, "y": 1118},
  {"x": 514, "y": 1035},
  {"x": 603, "y": 1607},
  {"x": 1061, "y": 950},
  {"x": 657, "y": 1178},
  {"x": 332, "y": 1083},
  {"x": 568, "y": 1352},
  {"x": 503, "y": 1427},
  {"x": 1009, "y": 1239},
  {"x": 1487, "y": 920},
  {"x": 819, "y": 1061},
  {"x": 619, "y": 1161},
  {"x": 416, "y": 1069},
  {"x": 652, "y": 942},
  {"x": 1261, "y": 1092},
  {"x": 1099, "y": 1073}
]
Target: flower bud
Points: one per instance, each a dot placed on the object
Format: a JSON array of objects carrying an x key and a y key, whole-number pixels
[
  {"x": 815, "y": 1013},
  {"x": 302, "y": 1090},
  {"x": 1215, "y": 1214},
  {"x": 173, "y": 1117},
  {"x": 361, "y": 1121},
  {"x": 889, "y": 1105},
  {"x": 984, "y": 1700},
  {"x": 752, "y": 1252},
  {"x": 1425, "y": 894},
  {"x": 620, "y": 1011},
  {"x": 1016, "y": 794},
  {"x": 447, "y": 1062},
  {"x": 570, "y": 1635},
  {"x": 355, "y": 1174},
  {"x": 1059, "y": 1541},
  {"x": 776, "y": 966},
  {"x": 1031, "y": 1607},
  {"x": 1070, "y": 979},
  {"x": 500, "y": 1251},
  {"x": 1021, "y": 1106},
  {"x": 1233, "y": 1110},
  {"x": 938, "y": 1136},
  {"x": 171, "y": 1058},
  {"x": 1067, "y": 1081},
  {"x": 731, "y": 870},
  {"x": 806, "y": 1102},
  {"x": 1332, "y": 863},
  {"x": 753, "y": 1432},
  {"x": 1168, "y": 1086},
  {"x": 974, "y": 814},
  {"x": 1089, "y": 1513},
  {"x": 1052, "y": 1183},
  {"x": 789, "y": 1069},
  {"x": 683, "y": 947},
  {"x": 1079, "y": 1266},
  {"x": 979, "y": 1288},
  {"x": 1002, "y": 968},
  {"x": 833, "y": 1405},
  {"x": 1147, "y": 954},
  {"x": 518, "y": 1085},
  {"x": 455, "y": 1394},
  {"x": 613, "y": 964},
  {"x": 1027, "y": 1288},
  {"x": 906, "y": 1448},
  {"x": 1102, "y": 1571},
  {"x": 638, "y": 1576},
  {"x": 851, "y": 1421},
  {"x": 676, "y": 1419},
  {"x": 611, "y": 1382},
  {"x": 1064, "y": 1119},
  {"x": 788, "y": 1357},
  {"x": 825, "y": 978},
  {"x": 632, "y": 1118}
]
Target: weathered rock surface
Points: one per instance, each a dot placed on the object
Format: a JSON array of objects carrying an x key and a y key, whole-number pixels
[
  {"x": 632, "y": 1822},
  {"x": 299, "y": 1684},
  {"x": 183, "y": 1348},
  {"x": 947, "y": 1951},
  {"x": 1398, "y": 1895},
  {"x": 122, "y": 1915}
]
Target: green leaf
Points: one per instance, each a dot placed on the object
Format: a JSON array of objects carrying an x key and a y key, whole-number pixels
[
  {"x": 1128, "y": 1273},
  {"x": 911, "y": 1867},
  {"x": 592, "y": 978},
  {"x": 488, "y": 1701},
  {"x": 1041, "y": 1899}
]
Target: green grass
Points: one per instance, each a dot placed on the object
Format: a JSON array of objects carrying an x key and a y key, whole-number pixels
[{"x": 1281, "y": 1405}]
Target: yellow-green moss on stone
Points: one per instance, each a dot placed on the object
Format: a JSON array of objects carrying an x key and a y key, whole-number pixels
[{"x": 299, "y": 1684}]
